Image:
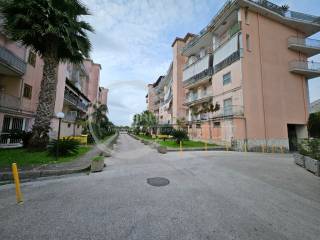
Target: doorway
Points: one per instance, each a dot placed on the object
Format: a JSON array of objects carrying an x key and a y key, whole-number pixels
[{"x": 293, "y": 138}]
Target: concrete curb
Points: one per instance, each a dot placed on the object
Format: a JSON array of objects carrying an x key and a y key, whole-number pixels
[{"x": 36, "y": 173}]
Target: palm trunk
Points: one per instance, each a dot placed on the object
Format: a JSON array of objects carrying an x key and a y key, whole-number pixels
[{"x": 45, "y": 109}]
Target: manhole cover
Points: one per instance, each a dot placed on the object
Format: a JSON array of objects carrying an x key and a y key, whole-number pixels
[{"x": 158, "y": 181}]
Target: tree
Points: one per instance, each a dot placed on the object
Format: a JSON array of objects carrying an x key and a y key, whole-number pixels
[
  {"x": 54, "y": 30},
  {"x": 314, "y": 125}
]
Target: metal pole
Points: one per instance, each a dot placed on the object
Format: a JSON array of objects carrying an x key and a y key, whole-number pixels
[
  {"x": 57, "y": 153},
  {"x": 15, "y": 174}
]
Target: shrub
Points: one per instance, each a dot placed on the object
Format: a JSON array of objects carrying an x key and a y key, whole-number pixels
[
  {"x": 180, "y": 135},
  {"x": 310, "y": 148},
  {"x": 66, "y": 147},
  {"x": 166, "y": 130}
]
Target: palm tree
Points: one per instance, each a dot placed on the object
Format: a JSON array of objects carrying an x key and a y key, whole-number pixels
[
  {"x": 99, "y": 114},
  {"x": 53, "y": 29}
]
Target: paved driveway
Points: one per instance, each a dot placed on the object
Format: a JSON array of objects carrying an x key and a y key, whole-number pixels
[{"x": 214, "y": 195}]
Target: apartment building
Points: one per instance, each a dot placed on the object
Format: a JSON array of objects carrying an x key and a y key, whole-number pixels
[
  {"x": 247, "y": 75},
  {"x": 166, "y": 96},
  {"x": 20, "y": 78},
  {"x": 20, "y": 71}
]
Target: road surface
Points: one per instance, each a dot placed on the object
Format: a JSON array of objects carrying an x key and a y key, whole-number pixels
[{"x": 211, "y": 195}]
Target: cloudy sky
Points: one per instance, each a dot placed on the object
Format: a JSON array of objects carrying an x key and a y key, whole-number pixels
[{"x": 133, "y": 40}]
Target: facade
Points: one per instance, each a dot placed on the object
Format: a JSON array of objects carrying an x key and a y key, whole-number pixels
[
  {"x": 166, "y": 96},
  {"x": 20, "y": 78},
  {"x": 247, "y": 74}
]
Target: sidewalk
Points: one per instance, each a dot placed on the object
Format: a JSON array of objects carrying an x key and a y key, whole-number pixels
[{"x": 78, "y": 165}]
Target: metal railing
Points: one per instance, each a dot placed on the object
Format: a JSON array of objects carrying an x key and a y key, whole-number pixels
[
  {"x": 283, "y": 11},
  {"x": 306, "y": 42},
  {"x": 7, "y": 139},
  {"x": 234, "y": 110},
  {"x": 13, "y": 61},
  {"x": 75, "y": 100},
  {"x": 9, "y": 101},
  {"x": 304, "y": 65},
  {"x": 198, "y": 97}
]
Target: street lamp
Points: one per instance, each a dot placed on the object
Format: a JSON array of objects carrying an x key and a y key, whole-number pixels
[{"x": 60, "y": 116}]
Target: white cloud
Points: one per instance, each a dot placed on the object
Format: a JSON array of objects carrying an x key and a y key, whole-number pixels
[{"x": 133, "y": 43}]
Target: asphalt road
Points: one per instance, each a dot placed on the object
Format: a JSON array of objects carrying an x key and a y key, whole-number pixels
[{"x": 211, "y": 195}]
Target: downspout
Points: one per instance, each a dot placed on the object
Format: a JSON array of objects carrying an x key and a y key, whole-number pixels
[{"x": 263, "y": 106}]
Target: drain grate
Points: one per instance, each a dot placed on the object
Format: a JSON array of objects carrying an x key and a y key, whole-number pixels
[{"x": 158, "y": 181}]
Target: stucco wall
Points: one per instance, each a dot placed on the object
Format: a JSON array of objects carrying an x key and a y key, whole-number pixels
[{"x": 273, "y": 96}]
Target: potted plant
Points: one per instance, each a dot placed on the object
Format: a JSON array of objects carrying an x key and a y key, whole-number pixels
[
  {"x": 97, "y": 164},
  {"x": 299, "y": 157},
  {"x": 312, "y": 160},
  {"x": 162, "y": 149}
]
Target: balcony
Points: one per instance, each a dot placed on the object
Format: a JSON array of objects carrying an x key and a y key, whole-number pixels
[
  {"x": 10, "y": 64},
  {"x": 198, "y": 98},
  {"x": 198, "y": 72},
  {"x": 308, "y": 46},
  {"x": 9, "y": 101},
  {"x": 305, "y": 68},
  {"x": 75, "y": 101},
  {"x": 227, "y": 112}
]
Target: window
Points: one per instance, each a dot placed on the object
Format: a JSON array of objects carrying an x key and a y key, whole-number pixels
[
  {"x": 32, "y": 58},
  {"x": 248, "y": 42},
  {"x": 198, "y": 125},
  {"x": 227, "y": 78},
  {"x": 227, "y": 107},
  {"x": 69, "y": 125},
  {"x": 216, "y": 124},
  {"x": 246, "y": 16},
  {"x": 27, "y": 91}
]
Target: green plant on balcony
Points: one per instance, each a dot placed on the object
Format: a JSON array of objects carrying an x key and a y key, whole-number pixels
[{"x": 55, "y": 30}]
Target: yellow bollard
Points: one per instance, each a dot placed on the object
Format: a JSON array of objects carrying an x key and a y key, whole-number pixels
[
  {"x": 180, "y": 146},
  {"x": 282, "y": 149},
  {"x": 273, "y": 149},
  {"x": 245, "y": 147},
  {"x": 17, "y": 182},
  {"x": 227, "y": 148},
  {"x": 262, "y": 148}
]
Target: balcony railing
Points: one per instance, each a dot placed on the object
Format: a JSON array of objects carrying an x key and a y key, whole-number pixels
[
  {"x": 230, "y": 111},
  {"x": 12, "y": 61},
  {"x": 309, "y": 69},
  {"x": 306, "y": 42},
  {"x": 286, "y": 13},
  {"x": 198, "y": 97},
  {"x": 9, "y": 101},
  {"x": 197, "y": 67},
  {"x": 75, "y": 100},
  {"x": 308, "y": 46}
]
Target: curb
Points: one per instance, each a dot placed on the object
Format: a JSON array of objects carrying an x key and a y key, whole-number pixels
[{"x": 33, "y": 174}]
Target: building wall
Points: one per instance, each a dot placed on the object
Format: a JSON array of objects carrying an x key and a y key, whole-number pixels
[
  {"x": 273, "y": 97},
  {"x": 93, "y": 70},
  {"x": 178, "y": 110},
  {"x": 103, "y": 96}
]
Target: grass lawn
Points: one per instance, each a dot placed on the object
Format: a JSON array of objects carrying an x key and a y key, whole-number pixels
[
  {"x": 24, "y": 158},
  {"x": 145, "y": 137},
  {"x": 185, "y": 144}
]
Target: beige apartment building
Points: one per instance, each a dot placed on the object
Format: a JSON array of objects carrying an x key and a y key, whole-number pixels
[
  {"x": 247, "y": 76},
  {"x": 20, "y": 78}
]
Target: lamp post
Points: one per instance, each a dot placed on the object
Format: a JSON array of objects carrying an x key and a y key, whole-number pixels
[{"x": 60, "y": 116}]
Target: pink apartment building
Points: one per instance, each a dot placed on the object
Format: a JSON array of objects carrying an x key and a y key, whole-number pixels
[
  {"x": 20, "y": 77},
  {"x": 166, "y": 96},
  {"x": 247, "y": 74}
]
